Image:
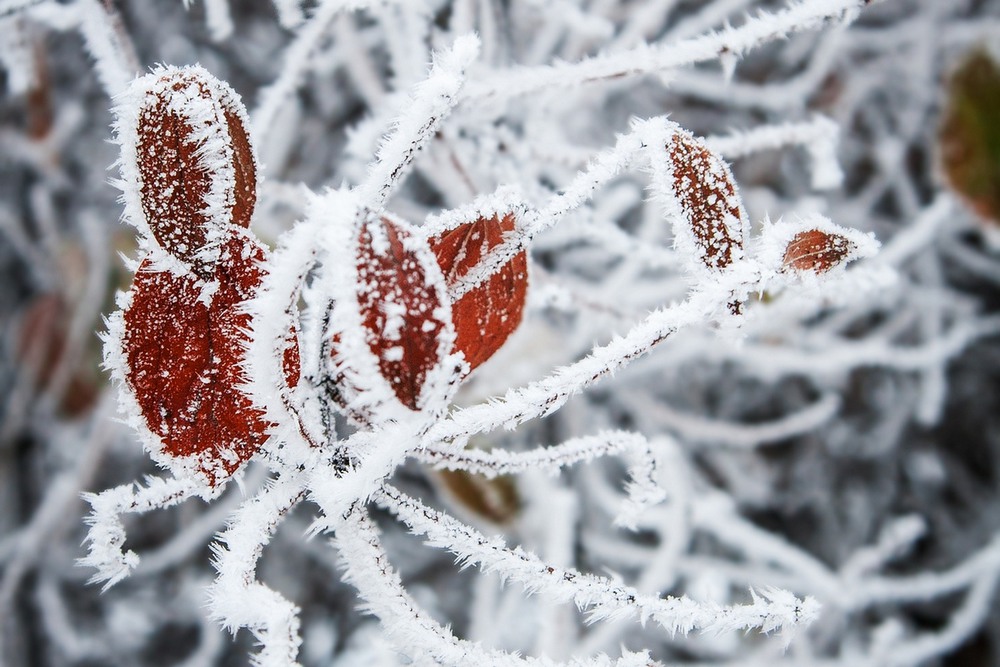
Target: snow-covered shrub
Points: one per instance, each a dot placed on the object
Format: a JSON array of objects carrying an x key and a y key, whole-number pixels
[{"x": 520, "y": 290}]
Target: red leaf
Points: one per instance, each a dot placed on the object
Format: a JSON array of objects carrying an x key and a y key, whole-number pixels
[
  {"x": 487, "y": 315},
  {"x": 816, "y": 251},
  {"x": 399, "y": 308},
  {"x": 705, "y": 190},
  {"x": 195, "y": 165},
  {"x": 184, "y": 353}
]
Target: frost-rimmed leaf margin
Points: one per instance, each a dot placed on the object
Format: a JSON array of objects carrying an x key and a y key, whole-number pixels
[
  {"x": 349, "y": 364},
  {"x": 191, "y": 93}
]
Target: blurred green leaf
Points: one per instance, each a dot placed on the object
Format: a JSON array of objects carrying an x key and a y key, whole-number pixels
[{"x": 970, "y": 134}]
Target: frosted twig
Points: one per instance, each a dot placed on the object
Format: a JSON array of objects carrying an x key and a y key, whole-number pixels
[
  {"x": 296, "y": 57},
  {"x": 842, "y": 354},
  {"x": 542, "y": 397},
  {"x": 961, "y": 625},
  {"x": 818, "y": 137},
  {"x": 367, "y": 567},
  {"x": 599, "y": 596},
  {"x": 643, "y": 490},
  {"x": 717, "y": 516},
  {"x": 236, "y": 599},
  {"x": 274, "y": 311},
  {"x": 874, "y": 590},
  {"x": 201, "y": 531},
  {"x": 116, "y": 63},
  {"x": 696, "y": 429},
  {"x": 604, "y": 167},
  {"x": 765, "y": 27},
  {"x": 430, "y": 103},
  {"x": 499, "y": 462},
  {"x": 106, "y": 536}
]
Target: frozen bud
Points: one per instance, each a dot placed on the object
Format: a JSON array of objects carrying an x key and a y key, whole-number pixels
[
  {"x": 486, "y": 315},
  {"x": 188, "y": 169}
]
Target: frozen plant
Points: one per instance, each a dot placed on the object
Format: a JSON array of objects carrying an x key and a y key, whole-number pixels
[
  {"x": 739, "y": 476},
  {"x": 216, "y": 364}
]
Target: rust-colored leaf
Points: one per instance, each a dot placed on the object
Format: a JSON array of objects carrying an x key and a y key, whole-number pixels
[
  {"x": 244, "y": 169},
  {"x": 487, "y": 315},
  {"x": 494, "y": 500},
  {"x": 707, "y": 195},
  {"x": 816, "y": 251},
  {"x": 399, "y": 308},
  {"x": 195, "y": 165},
  {"x": 42, "y": 349},
  {"x": 184, "y": 347}
]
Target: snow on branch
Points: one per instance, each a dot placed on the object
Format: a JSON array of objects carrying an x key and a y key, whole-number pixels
[
  {"x": 427, "y": 108},
  {"x": 297, "y": 55},
  {"x": 650, "y": 59},
  {"x": 818, "y": 137},
  {"x": 368, "y": 568},
  {"x": 643, "y": 489},
  {"x": 236, "y": 600},
  {"x": 106, "y": 536},
  {"x": 603, "y": 600},
  {"x": 331, "y": 361}
]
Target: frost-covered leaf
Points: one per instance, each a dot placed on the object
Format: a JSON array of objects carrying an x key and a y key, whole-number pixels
[
  {"x": 400, "y": 298},
  {"x": 182, "y": 344},
  {"x": 488, "y": 314},
  {"x": 816, "y": 250},
  {"x": 970, "y": 134},
  {"x": 704, "y": 195},
  {"x": 810, "y": 245},
  {"x": 188, "y": 168}
]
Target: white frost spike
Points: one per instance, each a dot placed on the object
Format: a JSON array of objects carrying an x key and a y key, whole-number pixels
[
  {"x": 236, "y": 598},
  {"x": 431, "y": 102},
  {"x": 602, "y": 598},
  {"x": 291, "y": 410}
]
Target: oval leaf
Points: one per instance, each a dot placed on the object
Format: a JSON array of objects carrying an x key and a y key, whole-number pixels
[
  {"x": 816, "y": 251},
  {"x": 400, "y": 308},
  {"x": 188, "y": 168},
  {"x": 970, "y": 135},
  {"x": 488, "y": 314},
  {"x": 704, "y": 190},
  {"x": 183, "y": 346}
]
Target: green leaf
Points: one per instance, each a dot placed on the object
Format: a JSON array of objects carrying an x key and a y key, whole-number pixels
[{"x": 970, "y": 134}]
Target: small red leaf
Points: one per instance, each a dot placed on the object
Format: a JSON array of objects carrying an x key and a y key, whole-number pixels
[
  {"x": 488, "y": 314},
  {"x": 400, "y": 309},
  {"x": 183, "y": 345},
  {"x": 706, "y": 193},
  {"x": 194, "y": 165},
  {"x": 816, "y": 251}
]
